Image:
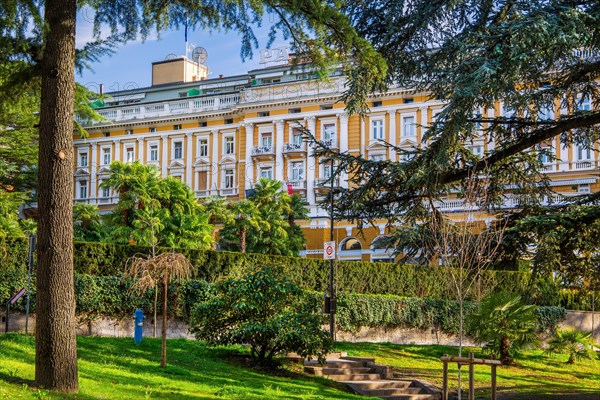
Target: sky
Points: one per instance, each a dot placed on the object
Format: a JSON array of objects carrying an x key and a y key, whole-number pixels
[{"x": 131, "y": 65}]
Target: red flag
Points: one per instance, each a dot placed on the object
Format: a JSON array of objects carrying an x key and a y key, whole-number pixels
[{"x": 290, "y": 189}]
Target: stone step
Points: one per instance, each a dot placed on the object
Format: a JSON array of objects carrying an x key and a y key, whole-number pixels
[
  {"x": 336, "y": 371},
  {"x": 344, "y": 378},
  {"x": 382, "y": 392},
  {"x": 423, "y": 396},
  {"x": 358, "y": 359},
  {"x": 379, "y": 384},
  {"x": 333, "y": 364}
]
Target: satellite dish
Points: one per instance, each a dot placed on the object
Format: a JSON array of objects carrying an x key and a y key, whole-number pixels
[
  {"x": 200, "y": 55},
  {"x": 170, "y": 57}
]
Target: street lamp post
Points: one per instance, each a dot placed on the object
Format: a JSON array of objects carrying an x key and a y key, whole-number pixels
[{"x": 332, "y": 301}]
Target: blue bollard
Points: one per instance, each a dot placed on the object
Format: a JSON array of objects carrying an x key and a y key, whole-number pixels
[{"x": 138, "y": 329}]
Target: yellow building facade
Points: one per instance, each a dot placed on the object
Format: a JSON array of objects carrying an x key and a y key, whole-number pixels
[{"x": 221, "y": 135}]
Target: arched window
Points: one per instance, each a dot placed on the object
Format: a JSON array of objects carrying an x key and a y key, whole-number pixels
[{"x": 350, "y": 249}]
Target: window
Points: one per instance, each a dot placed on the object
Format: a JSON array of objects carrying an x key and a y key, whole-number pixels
[
  {"x": 106, "y": 134},
  {"x": 377, "y": 157},
  {"x": 327, "y": 170},
  {"x": 229, "y": 121},
  {"x": 83, "y": 190},
  {"x": 266, "y": 139},
  {"x": 377, "y": 104},
  {"x": 584, "y": 104},
  {"x": 295, "y": 110},
  {"x": 584, "y": 153},
  {"x": 202, "y": 147},
  {"x": 177, "y": 127},
  {"x": 203, "y": 124},
  {"x": 83, "y": 159},
  {"x": 202, "y": 180},
  {"x": 328, "y": 131},
  {"x": 104, "y": 191},
  {"x": 153, "y": 152},
  {"x": 106, "y": 156},
  {"x": 229, "y": 145},
  {"x": 327, "y": 107},
  {"x": 409, "y": 100},
  {"x": 377, "y": 128},
  {"x": 297, "y": 168},
  {"x": 129, "y": 131},
  {"x": 408, "y": 126},
  {"x": 229, "y": 178},
  {"x": 477, "y": 150},
  {"x": 129, "y": 154},
  {"x": 152, "y": 130},
  {"x": 583, "y": 188},
  {"x": 545, "y": 113},
  {"x": 264, "y": 113},
  {"x": 296, "y": 136},
  {"x": 266, "y": 172},
  {"x": 177, "y": 150}
]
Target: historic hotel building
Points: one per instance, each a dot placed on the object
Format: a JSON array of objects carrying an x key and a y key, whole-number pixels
[{"x": 220, "y": 135}]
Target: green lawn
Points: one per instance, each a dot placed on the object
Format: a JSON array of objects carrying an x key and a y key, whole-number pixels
[
  {"x": 536, "y": 375},
  {"x": 115, "y": 368}
]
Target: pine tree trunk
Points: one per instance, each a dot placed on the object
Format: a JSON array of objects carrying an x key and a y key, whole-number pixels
[
  {"x": 56, "y": 347},
  {"x": 163, "y": 328}
]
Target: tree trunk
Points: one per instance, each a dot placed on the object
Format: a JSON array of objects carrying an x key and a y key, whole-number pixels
[
  {"x": 504, "y": 350},
  {"x": 56, "y": 346},
  {"x": 155, "y": 307},
  {"x": 163, "y": 328},
  {"x": 243, "y": 239}
]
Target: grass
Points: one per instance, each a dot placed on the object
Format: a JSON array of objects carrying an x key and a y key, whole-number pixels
[
  {"x": 115, "y": 368},
  {"x": 535, "y": 376}
]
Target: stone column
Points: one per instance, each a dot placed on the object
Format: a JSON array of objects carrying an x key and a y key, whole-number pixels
[
  {"x": 93, "y": 170},
  {"x": 214, "y": 163},
  {"x": 343, "y": 141},
  {"x": 164, "y": 159},
  {"x": 424, "y": 123},
  {"x": 189, "y": 159},
  {"x": 141, "y": 149},
  {"x": 117, "y": 152},
  {"x": 392, "y": 137},
  {"x": 249, "y": 167},
  {"x": 279, "y": 126},
  {"x": 311, "y": 125}
]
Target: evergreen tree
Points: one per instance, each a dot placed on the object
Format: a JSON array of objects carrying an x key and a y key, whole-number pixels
[
  {"x": 536, "y": 60},
  {"x": 42, "y": 35}
]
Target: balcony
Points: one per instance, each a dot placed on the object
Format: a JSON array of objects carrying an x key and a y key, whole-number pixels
[
  {"x": 202, "y": 193},
  {"x": 164, "y": 109},
  {"x": 297, "y": 184},
  {"x": 263, "y": 151},
  {"x": 583, "y": 165},
  {"x": 331, "y": 143},
  {"x": 223, "y": 192},
  {"x": 294, "y": 148}
]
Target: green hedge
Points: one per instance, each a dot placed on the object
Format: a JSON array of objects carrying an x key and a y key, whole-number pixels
[
  {"x": 111, "y": 296},
  {"x": 311, "y": 274},
  {"x": 106, "y": 259}
]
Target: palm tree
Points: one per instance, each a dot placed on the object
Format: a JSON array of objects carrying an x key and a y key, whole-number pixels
[
  {"x": 86, "y": 221},
  {"x": 576, "y": 344},
  {"x": 505, "y": 325},
  {"x": 161, "y": 269}
]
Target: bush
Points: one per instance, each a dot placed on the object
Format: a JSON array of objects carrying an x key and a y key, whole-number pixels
[{"x": 265, "y": 311}]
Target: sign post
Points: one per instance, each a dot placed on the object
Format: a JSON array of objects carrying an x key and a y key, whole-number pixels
[{"x": 329, "y": 251}]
